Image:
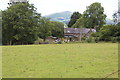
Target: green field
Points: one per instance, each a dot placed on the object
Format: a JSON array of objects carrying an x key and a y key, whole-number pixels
[{"x": 81, "y": 60}]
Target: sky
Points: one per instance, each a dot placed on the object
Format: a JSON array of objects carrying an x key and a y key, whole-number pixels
[{"x": 46, "y": 7}]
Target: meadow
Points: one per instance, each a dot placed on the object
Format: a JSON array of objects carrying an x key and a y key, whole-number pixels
[{"x": 80, "y": 60}]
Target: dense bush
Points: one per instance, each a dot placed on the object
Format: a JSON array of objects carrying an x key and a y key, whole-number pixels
[
  {"x": 39, "y": 41},
  {"x": 88, "y": 40},
  {"x": 83, "y": 39},
  {"x": 107, "y": 33},
  {"x": 60, "y": 42},
  {"x": 114, "y": 39}
]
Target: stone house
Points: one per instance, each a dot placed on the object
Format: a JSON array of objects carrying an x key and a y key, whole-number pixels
[{"x": 75, "y": 34}]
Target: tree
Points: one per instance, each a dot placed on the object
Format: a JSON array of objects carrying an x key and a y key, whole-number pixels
[
  {"x": 108, "y": 32},
  {"x": 74, "y": 17},
  {"x": 115, "y": 17},
  {"x": 58, "y": 29},
  {"x": 94, "y": 16},
  {"x": 118, "y": 32},
  {"x": 20, "y": 24},
  {"x": 45, "y": 28},
  {"x": 0, "y": 27},
  {"x": 117, "y": 23},
  {"x": 79, "y": 23}
]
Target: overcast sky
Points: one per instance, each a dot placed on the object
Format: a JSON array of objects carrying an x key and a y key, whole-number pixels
[{"x": 46, "y": 7}]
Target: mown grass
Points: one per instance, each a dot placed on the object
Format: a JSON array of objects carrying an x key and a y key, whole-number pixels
[{"x": 81, "y": 60}]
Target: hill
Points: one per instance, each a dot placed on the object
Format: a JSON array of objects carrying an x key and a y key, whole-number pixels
[{"x": 61, "y": 16}]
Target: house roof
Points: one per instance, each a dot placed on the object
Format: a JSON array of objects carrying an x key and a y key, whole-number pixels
[{"x": 78, "y": 30}]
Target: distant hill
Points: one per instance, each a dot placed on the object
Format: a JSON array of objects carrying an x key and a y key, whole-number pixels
[
  {"x": 61, "y": 16},
  {"x": 65, "y": 17}
]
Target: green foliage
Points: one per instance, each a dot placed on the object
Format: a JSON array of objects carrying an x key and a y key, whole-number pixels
[
  {"x": 23, "y": 25},
  {"x": 58, "y": 29},
  {"x": 45, "y": 27},
  {"x": 114, "y": 39},
  {"x": 74, "y": 17},
  {"x": 94, "y": 16},
  {"x": 20, "y": 22},
  {"x": 108, "y": 33},
  {"x": 89, "y": 39},
  {"x": 118, "y": 24},
  {"x": 38, "y": 41},
  {"x": 0, "y": 27},
  {"x": 83, "y": 38},
  {"x": 79, "y": 23},
  {"x": 95, "y": 36},
  {"x": 118, "y": 32},
  {"x": 115, "y": 17},
  {"x": 60, "y": 42},
  {"x": 50, "y": 28}
]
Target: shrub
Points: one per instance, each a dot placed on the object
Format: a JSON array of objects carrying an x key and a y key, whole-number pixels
[
  {"x": 89, "y": 40},
  {"x": 38, "y": 41},
  {"x": 60, "y": 42},
  {"x": 118, "y": 39},
  {"x": 96, "y": 39},
  {"x": 92, "y": 40},
  {"x": 114, "y": 39},
  {"x": 83, "y": 38}
]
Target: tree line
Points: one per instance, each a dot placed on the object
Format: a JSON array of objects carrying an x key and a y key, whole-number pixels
[{"x": 21, "y": 24}]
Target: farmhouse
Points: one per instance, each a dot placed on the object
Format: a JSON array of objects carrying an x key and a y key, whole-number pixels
[
  {"x": 72, "y": 34},
  {"x": 75, "y": 34}
]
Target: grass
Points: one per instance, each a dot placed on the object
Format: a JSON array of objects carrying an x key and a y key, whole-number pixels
[{"x": 81, "y": 60}]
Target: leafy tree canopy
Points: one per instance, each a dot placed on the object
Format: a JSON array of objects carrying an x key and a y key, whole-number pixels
[
  {"x": 79, "y": 23},
  {"x": 45, "y": 28},
  {"x": 94, "y": 16},
  {"x": 58, "y": 29},
  {"x": 20, "y": 22},
  {"x": 74, "y": 17}
]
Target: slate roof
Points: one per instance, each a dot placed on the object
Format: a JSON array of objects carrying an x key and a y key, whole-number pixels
[{"x": 78, "y": 30}]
